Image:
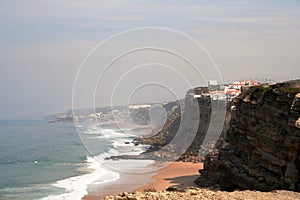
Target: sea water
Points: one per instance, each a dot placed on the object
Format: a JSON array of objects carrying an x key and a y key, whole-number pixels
[{"x": 41, "y": 160}]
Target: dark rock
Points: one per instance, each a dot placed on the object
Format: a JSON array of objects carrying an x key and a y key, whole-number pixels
[
  {"x": 260, "y": 148},
  {"x": 186, "y": 126}
]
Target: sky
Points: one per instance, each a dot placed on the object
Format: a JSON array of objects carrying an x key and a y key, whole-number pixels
[{"x": 44, "y": 43}]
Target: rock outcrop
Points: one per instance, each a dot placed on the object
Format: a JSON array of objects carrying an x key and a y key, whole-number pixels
[
  {"x": 185, "y": 129},
  {"x": 166, "y": 133},
  {"x": 260, "y": 146},
  {"x": 205, "y": 194}
]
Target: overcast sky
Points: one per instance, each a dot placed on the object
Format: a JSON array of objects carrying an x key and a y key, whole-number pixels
[{"x": 43, "y": 43}]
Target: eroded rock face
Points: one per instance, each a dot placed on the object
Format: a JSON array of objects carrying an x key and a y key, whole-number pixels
[
  {"x": 261, "y": 149},
  {"x": 185, "y": 129},
  {"x": 196, "y": 119}
]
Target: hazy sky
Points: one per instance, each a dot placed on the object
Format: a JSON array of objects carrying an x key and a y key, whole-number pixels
[{"x": 42, "y": 43}]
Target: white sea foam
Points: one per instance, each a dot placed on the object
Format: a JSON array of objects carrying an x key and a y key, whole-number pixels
[
  {"x": 93, "y": 132},
  {"x": 125, "y": 146},
  {"x": 111, "y": 134},
  {"x": 103, "y": 171},
  {"x": 76, "y": 187}
]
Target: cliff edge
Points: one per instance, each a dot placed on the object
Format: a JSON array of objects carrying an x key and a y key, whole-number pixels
[{"x": 260, "y": 146}]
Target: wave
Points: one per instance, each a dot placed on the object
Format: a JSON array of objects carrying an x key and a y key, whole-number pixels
[
  {"x": 125, "y": 146},
  {"x": 76, "y": 187},
  {"x": 106, "y": 133},
  {"x": 102, "y": 170}
]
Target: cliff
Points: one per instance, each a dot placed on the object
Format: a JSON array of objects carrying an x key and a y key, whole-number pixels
[
  {"x": 259, "y": 148},
  {"x": 183, "y": 134}
]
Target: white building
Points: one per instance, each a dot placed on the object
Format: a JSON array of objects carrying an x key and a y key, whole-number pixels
[{"x": 212, "y": 82}]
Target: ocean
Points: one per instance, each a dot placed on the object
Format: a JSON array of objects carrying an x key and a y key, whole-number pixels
[{"x": 40, "y": 160}]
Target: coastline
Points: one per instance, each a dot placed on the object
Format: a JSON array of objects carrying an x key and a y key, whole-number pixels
[
  {"x": 175, "y": 174},
  {"x": 127, "y": 182}
]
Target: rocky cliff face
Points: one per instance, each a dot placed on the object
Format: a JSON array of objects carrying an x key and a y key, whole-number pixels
[
  {"x": 208, "y": 117},
  {"x": 185, "y": 129},
  {"x": 197, "y": 113},
  {"x": 165, "y": 135},
  {"x": 260, "y": 146}
]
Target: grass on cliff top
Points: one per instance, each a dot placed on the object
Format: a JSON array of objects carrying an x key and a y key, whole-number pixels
[
  {"x": 289, "y": 90},
  {"x": 261, "y": 90},
  {"x": 258, "y": 92}
]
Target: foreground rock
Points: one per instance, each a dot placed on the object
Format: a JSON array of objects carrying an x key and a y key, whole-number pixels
[{"x": 196, "y": 193}]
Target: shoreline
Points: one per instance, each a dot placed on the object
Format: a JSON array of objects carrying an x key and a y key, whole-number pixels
[
  {"x": 126, "y": 183},
  {"x": 175, "y": 174}
]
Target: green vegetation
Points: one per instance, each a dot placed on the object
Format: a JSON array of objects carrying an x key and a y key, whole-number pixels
[
  {"x": 289, "y": 90},
  {"x": 259, "y": 92}
]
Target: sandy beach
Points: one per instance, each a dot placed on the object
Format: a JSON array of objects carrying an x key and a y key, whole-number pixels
[
  {"x": 177, "y": 174},
  {"x": 127, "y": 183},
  {"x": 182, "y": 175}
]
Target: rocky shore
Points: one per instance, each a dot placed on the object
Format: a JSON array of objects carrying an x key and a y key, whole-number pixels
[{"x": 197, "y": 193}]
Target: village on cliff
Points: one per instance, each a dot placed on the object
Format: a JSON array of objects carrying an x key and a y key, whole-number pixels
[{"x": 226, "y": 91}]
